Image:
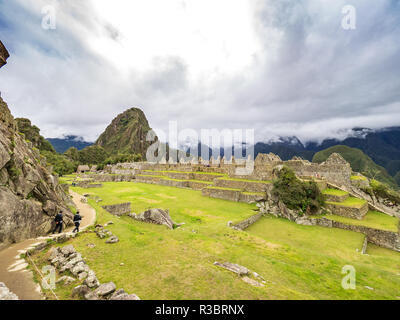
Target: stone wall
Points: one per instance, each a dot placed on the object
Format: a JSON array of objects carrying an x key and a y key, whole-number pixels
[
  {"x": 248, "y": 222},
  {"x": 334, "y": 169},
  {"x": 174, "y": 183},
  {"x": 244, "y": 185},
  {"x": 348, "y": 212},
  {"x": 112, "y": 177},
  {"x": 252, "y": 197},
  {"x": 195, "y": 185},
  {"x": 92, "y": 186},
  {"x": 225, "y": 194},
  {"x": 382, "y": 238},
  {"x": 118, "y": 209}
]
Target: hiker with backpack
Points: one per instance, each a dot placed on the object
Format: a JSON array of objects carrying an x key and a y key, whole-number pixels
[
  {"x": 77, "y": 221},
  {"x": 59, "y": 222}
]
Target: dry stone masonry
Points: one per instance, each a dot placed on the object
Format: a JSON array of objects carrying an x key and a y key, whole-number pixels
[
  {"x": 68, "y": 259},
  {"x": 118, "y": 209}
]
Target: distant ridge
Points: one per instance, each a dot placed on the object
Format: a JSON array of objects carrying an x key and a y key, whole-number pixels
[{"x": 63, "y": 144}]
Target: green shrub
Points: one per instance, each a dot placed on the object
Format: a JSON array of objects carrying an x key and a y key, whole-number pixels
[
  {"x": 383, "y": 191},
  {"x": 305, "y": 197}
]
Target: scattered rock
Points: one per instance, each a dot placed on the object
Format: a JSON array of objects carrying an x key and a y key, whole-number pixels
[
  {"x": 53, "y": 252},
  {"x": 369, "y": 288},
  {"x": 240, "y": 270},
  {"x": 83, "y": 275},
  {"x": 80, "y": 291},
  {"x": 125, "y": 296},
  {"x": 105, "y": 289},
  {"x": 91, "y": 245},
  {"x": 113, "y": 239},
  {"x": 6, "y": 294},
  {"x": 68, "y": 250},
  {"x": 80, "y": 267},
  {"x": 156, "y": 216},
  {"x": 61, "y": 239},
  {"x": 66, "y": 280},
  {"x": 91, "y": 281},
  {"x": 252, "y": 282}
]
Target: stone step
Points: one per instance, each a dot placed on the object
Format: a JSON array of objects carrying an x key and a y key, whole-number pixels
[
  {"x": 245, "y": 185},
  {"x": 222, "y": 193},
  {"x": 232, "y": 194},
  {"x": 333, "y": 195},
  {"x": 351, "y": 208}
]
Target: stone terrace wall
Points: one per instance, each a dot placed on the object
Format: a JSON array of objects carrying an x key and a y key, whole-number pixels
[
  {"x": 248, "y": 222},
  {"x": 112, "y": 177},
  {"x": 118, "y": 209},
  {"x": 244, "y": 185},
  {"x": 225, "y": 194},
  {"x": 349, "y": 212},
  {"x": 382, "y": 238}
]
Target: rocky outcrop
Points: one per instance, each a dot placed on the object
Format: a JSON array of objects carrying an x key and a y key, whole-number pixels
[
  {"x": 127, "y": 134},
  {"x": 30, "y": 196},
  {"x": 4, "y": 55},
  {"x": 156, "y": 216}
]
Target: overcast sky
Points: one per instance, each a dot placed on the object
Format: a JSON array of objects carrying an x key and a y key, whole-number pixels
[{"x": 281, "y": 67}]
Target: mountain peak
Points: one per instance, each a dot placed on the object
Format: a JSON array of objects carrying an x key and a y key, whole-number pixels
[{"x": 126, "y": 133}]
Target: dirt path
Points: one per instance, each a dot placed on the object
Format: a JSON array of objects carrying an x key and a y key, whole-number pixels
[{"x": 13, "y": 270}]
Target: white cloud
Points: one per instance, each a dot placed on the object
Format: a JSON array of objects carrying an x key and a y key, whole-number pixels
[{"x": 280, "y": 67}]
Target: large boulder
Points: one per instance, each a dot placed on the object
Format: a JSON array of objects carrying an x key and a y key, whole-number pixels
[{"x": 156, "y": 216}]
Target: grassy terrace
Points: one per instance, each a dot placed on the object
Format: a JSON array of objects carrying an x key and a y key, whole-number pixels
[
  {"x": 373, "y": 219},
  {"x": 335, "y": 192},
  {"x": 254, "y": 193},
  {"x": 164, "y": 264},
  {"x": 178, "y": 264},
  {"x": 245, "y": 180},
  {"x": 351, "y": 202}
]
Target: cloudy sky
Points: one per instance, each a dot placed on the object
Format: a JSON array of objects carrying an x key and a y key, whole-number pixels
[{"x": 281, "y": 67}]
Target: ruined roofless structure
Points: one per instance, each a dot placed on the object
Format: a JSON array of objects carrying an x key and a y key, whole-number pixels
[{"x": 4, "y": 55}]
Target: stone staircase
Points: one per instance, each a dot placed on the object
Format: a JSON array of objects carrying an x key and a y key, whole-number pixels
[{"x": 342, "y": 204}]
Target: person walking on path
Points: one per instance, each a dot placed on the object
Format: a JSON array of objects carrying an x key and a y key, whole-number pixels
[
  {"x": 59, "y": 222},
  {"x": 77, "y": 221}
]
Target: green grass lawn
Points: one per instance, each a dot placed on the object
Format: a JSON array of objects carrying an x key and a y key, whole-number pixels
[
  {"x": 335, "y": 192},
  {"x": 373, "y": 219},
  {"x": 298, "y": 262},
  {"x": 351, "y": 202}
]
